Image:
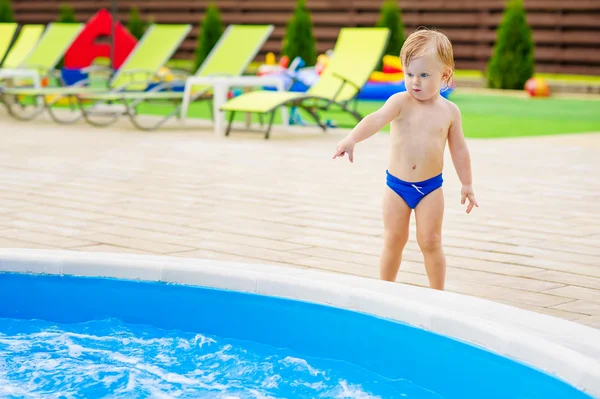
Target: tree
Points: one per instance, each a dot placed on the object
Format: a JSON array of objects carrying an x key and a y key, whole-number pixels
[
  {"x": 135, "y": 25},
  {"x": 6, "y": 12},
  {"x": 66, "y": 13},
  {"x": 210, "y": 33},
  {"x": 299, "y": 40},
  {"x": 512, "y": 61},
  {"x": 390, "y": 17}
]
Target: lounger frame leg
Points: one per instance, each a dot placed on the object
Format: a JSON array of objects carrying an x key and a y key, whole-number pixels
[
  {"x": 231, "y": 115},
  {"x": 270, "y": 124},
  {"x": 86, "y": 116},
  {"x": 12, "y": 112},
  {"x": 314, "y": 115},
  {"x": 72, "y": 106}
]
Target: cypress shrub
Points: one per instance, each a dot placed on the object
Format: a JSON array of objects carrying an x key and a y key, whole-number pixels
[
  {"x": 299, "y": 40},
  {"x": 512, "y": 61}
]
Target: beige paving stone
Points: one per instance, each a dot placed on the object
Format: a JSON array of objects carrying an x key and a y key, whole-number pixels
[
  {"x": 132, "y": 232},
  {"x": 575, "y": 292},
  {"x": 581, "y": 306},
  {"x": 159, "y": 227},
  {"x": 567, "y": 278},
  {"x": 247, "y": 251},
  {"x": 523, "y": 250},
  {"x": 496, "y": 292},
  {"x": 592, "y": 321},
  {"x": 534, "y": 241},
  {"x": 136, "y": 243},
  {"x": 110, "y": 249},
  {"x": 573, "y": 247},
  {"x": 520, "y": 283},
  {"x": 563, "y": 314},
  {"x": 10, "y": 243},
  {"x": 67, "y": 212},
  {"x": 46, "y": 228},
  {"x": 342, "y": 227},
  {"x": 252, "y": 227},
  {"x": 361, "y": 245},
  {"x": 243, "y": 239},
  {"x": 343, "y": 256},
  {"x": 584, "y": 270},
  {"x": 44, "y": 239},
  {"x": 55, "y": 220},
  {"x": 465, "y": 262},
  {"x": 338, "y": 239},
  {"x": 412, "y": 278},
  {"x": 339, "y": 266},
  {"x": 207, "y": 254}
]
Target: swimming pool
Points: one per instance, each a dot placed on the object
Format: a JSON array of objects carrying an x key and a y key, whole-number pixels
[{"x": 141, "y": 326}]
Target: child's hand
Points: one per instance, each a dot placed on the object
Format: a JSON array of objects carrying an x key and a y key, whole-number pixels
[
  {"x": 467, "y": 192},
  {"x": 343, "y": 147}
]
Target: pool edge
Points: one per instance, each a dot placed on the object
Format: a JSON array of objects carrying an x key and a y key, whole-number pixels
[{"x": 564, "y": 349}]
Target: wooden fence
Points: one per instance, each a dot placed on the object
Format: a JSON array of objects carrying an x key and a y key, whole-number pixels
[{"x": 567, "y": 33}]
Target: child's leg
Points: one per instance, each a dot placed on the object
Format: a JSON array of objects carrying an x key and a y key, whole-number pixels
[
  {"x": 429, "y": 215},
  {"x": 396, "y": 215}
]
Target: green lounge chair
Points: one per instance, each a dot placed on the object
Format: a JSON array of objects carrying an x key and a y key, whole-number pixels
[
  {"x": 43, "y": 58},
  {"x": 51, "y": 47},
  {"x": 230, "y": 56},
  {"x": 155, "y": 48},
  {"x": 26, "y": 40},
  {"x": 355, "y": 56},
  {"x": 7, "y": 32}
]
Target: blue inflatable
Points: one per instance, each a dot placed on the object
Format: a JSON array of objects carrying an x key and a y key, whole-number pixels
[
  {"x": 373, "y": 91},
  {"x": 384, "y": 90}
]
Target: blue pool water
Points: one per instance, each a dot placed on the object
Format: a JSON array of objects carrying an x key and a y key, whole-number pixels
[
  {"x": 92, "y": 337},
  {"x": 111, "y": 359}
]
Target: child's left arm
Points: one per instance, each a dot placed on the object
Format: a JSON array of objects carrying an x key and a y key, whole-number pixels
[{"x": 461, "y": 158}]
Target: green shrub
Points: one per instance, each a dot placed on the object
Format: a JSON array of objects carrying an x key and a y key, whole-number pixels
[
  {"x": 66, "y": 13},
  {"x": 210, "y": 32},
  {"x": 135, "y": 25},
  {"x": 391, "y": 17},
  {"x": 6, "y": 12},
  {"x": 299, "y": 40},
  {"x": 512, "y": 61}
]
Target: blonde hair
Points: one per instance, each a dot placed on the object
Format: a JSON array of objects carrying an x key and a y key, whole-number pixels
[{"x": 423, "y": 40}]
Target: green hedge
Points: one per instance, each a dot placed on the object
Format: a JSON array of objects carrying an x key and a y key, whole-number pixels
[
  {"x": 391, "y": 17},
  {"x": 299, "y": 40},
  {"x": 512, "y": 61},
  {"x": 210, "y": 32},
  {"x": 66, "y": 13},
  {"x": 6, "y": 12}
]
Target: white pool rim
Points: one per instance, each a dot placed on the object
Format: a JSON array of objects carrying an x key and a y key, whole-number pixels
[{"x": 564, "y": 349}]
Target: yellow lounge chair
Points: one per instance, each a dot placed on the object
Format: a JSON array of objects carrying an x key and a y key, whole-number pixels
[
  {"x": 230, "y": 56},
  {"x": 355, "y": 56}
]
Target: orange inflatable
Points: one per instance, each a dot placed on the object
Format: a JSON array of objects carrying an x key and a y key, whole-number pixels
[{"x": 391, "y": 71}]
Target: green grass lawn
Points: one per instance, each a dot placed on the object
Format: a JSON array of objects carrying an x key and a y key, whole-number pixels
[
  {"x": 550, "y": 77},
  {"x": 484, "y": 116}
]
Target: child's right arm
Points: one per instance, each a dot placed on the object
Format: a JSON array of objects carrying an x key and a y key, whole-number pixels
[{"x": 369, "y": 125}]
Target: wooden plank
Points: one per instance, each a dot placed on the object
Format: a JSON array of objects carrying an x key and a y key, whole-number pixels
[
  {"x": 569, "y": 37},
  {"x": 569, "y": 69},
  {"x": 457, "y": 5},
  {"x": 567, "y": 34},
  {"x": 571, "y": 54}
]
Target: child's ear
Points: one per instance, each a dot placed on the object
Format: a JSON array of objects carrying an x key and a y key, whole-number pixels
[{"x": 448, "y": 77}]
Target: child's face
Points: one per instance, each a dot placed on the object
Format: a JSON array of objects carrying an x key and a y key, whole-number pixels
[{"x": 424, "y": 77}]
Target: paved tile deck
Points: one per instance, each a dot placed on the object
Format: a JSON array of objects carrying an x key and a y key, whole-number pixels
[{"x": 533, "y": 243}]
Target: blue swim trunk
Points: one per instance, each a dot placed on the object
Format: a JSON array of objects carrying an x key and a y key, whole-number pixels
[{"x": 413, "y": 193}]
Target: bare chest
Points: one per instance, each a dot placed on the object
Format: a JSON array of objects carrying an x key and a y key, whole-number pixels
[{"x": 420, "y": 125}]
